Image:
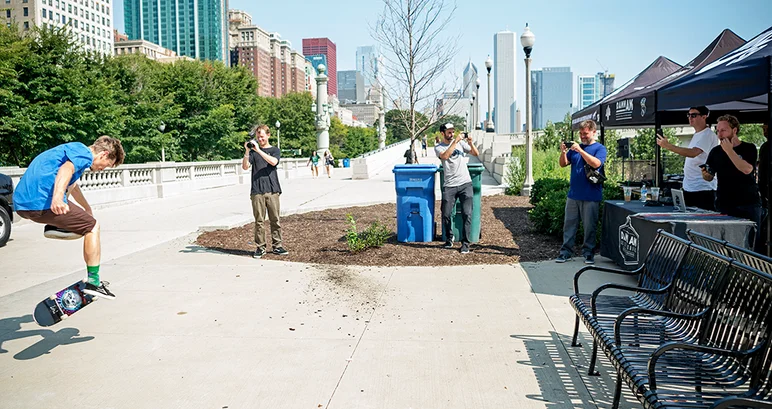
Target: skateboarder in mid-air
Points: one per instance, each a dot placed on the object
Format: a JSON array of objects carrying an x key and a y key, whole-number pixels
[{"x": 41, "y": 196}]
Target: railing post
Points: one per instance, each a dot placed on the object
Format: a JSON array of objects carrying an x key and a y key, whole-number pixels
[
  {"x": 125, "y": 178},
  {"x": 222, "y": 170},
  {"x": 192, "y": 172}
]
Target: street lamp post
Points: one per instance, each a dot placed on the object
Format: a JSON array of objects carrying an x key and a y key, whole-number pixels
[
  {"x": 322, "y": 118},
  {"x": 477, "y": 106},
  {"x": 471, "y": 113},
  {"x": 527, "y": 40},
  {"x": 473, "y": 108},
  {"x": 161, "y": 129},
  {"x": 278, "y": 135},
  {"x": 466, "y": 120},
  {"x": 489, "y": 117}
]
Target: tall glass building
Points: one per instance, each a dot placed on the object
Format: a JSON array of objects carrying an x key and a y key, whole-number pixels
[
  {"x": 504, "y": 82},
  {"x": 195, "y": 28},
  {"x": 551, "y": 95}
]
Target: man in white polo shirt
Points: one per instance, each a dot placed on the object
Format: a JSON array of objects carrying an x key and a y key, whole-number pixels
[{"x": 697, "y": 191}]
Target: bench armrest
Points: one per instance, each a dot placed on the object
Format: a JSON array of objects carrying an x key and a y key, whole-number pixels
[
  {"x": 602, "y": 269},
  {"x": 691, "y": 347},
  {"x": 648, "y": 311},
  {"x": 743, "y": 402},
  {"x": 614, "y": 286}
]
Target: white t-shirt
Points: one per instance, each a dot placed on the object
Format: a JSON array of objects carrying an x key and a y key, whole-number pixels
[{"x": 706, "y": 140}]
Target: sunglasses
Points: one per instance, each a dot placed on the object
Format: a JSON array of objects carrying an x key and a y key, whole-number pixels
[{"x": 693, "y": 115}]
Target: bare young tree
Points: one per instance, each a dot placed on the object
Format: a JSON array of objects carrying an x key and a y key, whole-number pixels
[{"x": 417, "y": 54}]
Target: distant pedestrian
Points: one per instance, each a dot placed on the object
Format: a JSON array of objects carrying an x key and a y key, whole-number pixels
[
  {"x": 329, "y": 163},
  {"x": 424, "y": 143},
  {"x": 584, "y": 196},
  {"x": 314, "y": 162},
  {"x": 263, "y": 158}
]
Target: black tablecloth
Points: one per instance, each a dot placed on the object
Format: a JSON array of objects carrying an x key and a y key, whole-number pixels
[{"x": 629, "y": 228}]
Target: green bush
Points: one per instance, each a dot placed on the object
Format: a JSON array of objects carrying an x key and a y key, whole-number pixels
[
  {"x": 516, "y": 171},
  {"x": 374, "y": 236},
  {"x": 541, "y": 187}
]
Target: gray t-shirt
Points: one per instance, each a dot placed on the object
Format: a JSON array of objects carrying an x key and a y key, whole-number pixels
[{"x": 456, "y": 172}]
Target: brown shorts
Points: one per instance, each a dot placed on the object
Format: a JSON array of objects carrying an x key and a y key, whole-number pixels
[{"x": 76, "y": 220}]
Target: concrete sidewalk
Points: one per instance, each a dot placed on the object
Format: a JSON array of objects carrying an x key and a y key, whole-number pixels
[{"x": 192, "y": 328}]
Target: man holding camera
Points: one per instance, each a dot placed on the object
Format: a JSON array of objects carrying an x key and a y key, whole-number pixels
[
  {"x": 733, "y": 162},
  {"x": 265, "y": 188},
  {"x": 584, "y": 197},
  {"x": 697, "y": 191},
  {"x": 458, "y": 182}
]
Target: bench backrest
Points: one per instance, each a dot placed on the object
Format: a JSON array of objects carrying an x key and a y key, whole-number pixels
[
  {"x": 662, "y": 261},
  {"x": 697, "y": 281},
  {"x": 744, "y": 256},
  {"x": 709, "y": 242},
  {"x": 740, "y": 318}
]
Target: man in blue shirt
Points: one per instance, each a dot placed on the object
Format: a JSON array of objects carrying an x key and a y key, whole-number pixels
[
  {"x": 583, "y": 202},
  {"x": 41, "y": 196}
]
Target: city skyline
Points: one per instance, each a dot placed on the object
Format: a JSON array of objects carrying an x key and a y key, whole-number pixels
[{"x": 621, "y": 40}]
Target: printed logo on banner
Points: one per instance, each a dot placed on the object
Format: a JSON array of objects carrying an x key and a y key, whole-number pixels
[
  {"x": 643, "y": 107},
  {"x": 628, "y": 243},
  {"x": 624, "y": 110},
  {"x": 608, "y": 112}
]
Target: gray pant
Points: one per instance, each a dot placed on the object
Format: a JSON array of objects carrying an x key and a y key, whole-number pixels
[
  {"x": 262, "y": 204},
  {"x": 587, "y": 212},
  {"x": 465, "y": 194}
]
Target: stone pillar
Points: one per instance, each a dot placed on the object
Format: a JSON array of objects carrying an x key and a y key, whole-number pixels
[{"x": 322, "y": 120}]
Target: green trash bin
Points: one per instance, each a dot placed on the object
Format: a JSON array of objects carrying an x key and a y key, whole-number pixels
[{"x": 457, "y": 221}]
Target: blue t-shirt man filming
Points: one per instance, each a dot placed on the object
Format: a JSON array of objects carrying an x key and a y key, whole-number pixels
[
  {"x": 583, "y": 202},
  {"x": 41, "y": 196}
]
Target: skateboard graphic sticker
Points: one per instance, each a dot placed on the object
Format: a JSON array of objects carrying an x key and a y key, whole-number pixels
[{"x": 61, "y": 305}]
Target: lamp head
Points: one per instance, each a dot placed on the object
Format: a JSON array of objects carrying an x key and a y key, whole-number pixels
[
  {"x": 278, "y": 124},
  {"x": 527, "y": 40},
  {"x": 488, "y": 63}
]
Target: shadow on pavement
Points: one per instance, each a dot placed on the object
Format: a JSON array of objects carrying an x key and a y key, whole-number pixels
[
  {"x": 51, "y": 339},
  {"x": 216, "y": 250},
  {"x": 561, "y": 372}
]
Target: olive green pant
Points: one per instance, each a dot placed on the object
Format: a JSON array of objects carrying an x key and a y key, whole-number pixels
[{"x": 262, "y": 203}]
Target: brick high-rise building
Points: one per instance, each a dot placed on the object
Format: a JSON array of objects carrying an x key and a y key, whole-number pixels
[
  {"x": 278, "y": 68},
  {"x": 312, "y": 46}
]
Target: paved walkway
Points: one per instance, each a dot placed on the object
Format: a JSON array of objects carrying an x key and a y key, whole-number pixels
[{"x": 193, "y": 328}]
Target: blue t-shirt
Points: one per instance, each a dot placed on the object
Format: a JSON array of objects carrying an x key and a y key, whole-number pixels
[
  {"x": 581, "y": 188},
  {"x": 35, "y": 190}
]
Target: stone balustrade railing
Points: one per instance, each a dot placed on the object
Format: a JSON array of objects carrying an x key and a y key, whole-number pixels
[{"x": 128, "y": 183}]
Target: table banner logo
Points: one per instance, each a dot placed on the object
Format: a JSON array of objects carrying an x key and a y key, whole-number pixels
[{"x": 628, "y": 243}]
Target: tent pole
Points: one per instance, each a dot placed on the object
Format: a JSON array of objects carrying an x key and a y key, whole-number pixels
[
  {"x": 769, "y": 157},
  {"x": 657, "y": 150},
  {"x": 602, "y": 135}
]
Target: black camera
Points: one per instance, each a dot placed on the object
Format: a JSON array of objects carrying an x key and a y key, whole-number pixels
[
  {"x": 251, "y": 144},
  {"x": 466, "y": 135},
  {"x": 708, "y": 169},
  {"x": 568, "y": 144}
]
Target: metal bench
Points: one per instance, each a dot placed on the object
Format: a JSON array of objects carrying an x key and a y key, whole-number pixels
[
  {"x": 654, "y": 276},
  {"x": 744, "y": 256}
]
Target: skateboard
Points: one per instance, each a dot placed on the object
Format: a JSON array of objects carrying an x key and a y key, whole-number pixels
[{"x": 61, "y": 305}]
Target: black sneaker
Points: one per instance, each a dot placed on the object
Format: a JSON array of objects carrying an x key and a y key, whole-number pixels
[
  {"x": 101, "y": 291},
  {"x": 589, "y": 259},
  {"x": 562, "y": 258},
  {"x": 258, "y": 253},
  {"x": 448, "y": 244},
  {"x": 53, "y": 232},
  {"x": 464, "y": 248},
  {"x": 280, "y": 251}
]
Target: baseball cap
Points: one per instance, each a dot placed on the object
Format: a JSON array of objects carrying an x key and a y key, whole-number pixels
[{"x": 446, "y": 126}]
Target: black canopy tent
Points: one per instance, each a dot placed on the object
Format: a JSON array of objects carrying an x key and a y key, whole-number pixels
[
  {"x": 600, "y": 110},
  {"x": 639, "y": 107},
  {"x": 740, "y": 82}
]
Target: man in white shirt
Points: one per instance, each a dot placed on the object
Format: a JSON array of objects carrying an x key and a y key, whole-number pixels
[{"x": 697, "y": 191}]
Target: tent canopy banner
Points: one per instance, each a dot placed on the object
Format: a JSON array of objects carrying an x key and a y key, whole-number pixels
[
  {"x": 601, "y": 112},
  {"x": 738, "y": 81},
  {"x": 637, "y": 107}
]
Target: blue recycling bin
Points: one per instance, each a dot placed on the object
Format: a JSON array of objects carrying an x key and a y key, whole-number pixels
[
  {"x": 346, "y": 162},
  {"x": 415, "y": 202}
]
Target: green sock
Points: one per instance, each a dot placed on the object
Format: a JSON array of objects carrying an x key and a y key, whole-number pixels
[{"x": 93, "y": 275}]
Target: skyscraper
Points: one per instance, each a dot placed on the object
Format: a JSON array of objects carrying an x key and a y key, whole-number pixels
[
  {"x": 367, "y": 63},
  {"x": 470, "y": 79},
  {"x": 504, "y": 83},
  {"x": 551, "y": 95},
  {"x": 195, "y": 28},
  {"x": 91, "y": 24},
  {"x": 324, "y": 46},
  {"x": 351, "y": 87},
  {"x": 592, "y": 88}
]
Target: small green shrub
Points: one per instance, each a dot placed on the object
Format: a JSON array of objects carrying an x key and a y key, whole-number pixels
[
  {"x": 373, "y": 236},
  {"x": 516, "y": 171},
  {"x": 543, "y": 186}
]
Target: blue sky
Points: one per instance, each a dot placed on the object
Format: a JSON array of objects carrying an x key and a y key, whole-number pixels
[{"x": 624, "y": 36}]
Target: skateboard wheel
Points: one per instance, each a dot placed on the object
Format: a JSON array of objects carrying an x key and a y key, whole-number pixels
[
  {"x": 53, "y": 297},
  {"x": 65, "y": 316},
  {"x": 85, "y": 280}
]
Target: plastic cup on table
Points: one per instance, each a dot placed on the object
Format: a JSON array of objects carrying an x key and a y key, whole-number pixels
[
  {"x": 655, "y": 194},
  {"x": 628, "y": 192}
]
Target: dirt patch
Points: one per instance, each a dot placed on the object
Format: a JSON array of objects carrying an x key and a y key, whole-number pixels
[{"x": 319, "y": 237}]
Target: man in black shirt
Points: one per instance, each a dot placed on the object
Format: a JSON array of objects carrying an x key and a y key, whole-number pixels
[
  {"x": 265, "y": 188},
  {"x": 734, "y": 162}
]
